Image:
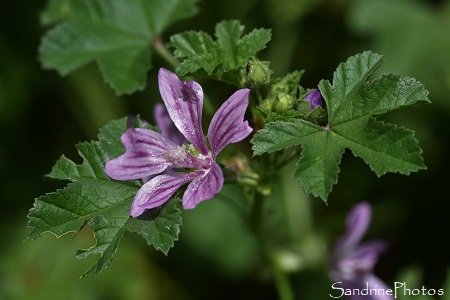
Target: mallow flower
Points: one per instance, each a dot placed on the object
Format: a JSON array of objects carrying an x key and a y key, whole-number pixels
[
  {"x": 166, "y": 162},
  {"x": 166, "y": 126},
  {"x": 315, "y": 98},
  {"x": 353, "y": 262}
]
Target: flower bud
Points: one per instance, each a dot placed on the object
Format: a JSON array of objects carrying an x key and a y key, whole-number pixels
[
  {"x": 256, "y": 73},
  {"x": 284, "y": 103},
  {"x": 316, "y": 100}
]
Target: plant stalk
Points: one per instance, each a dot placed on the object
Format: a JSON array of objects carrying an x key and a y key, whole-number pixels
[
  {"x": 280, "y": 278},
  {"x": 162, "y": 51}
]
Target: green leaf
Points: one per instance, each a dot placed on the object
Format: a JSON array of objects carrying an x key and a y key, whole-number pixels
[
  {"x": 160, "y": 227},
  {"x": 93, "y": 198},
  {"x": 228, "y": 35},
  {"x": 101, "y": 203},
  {"x": 56, "y": 10},
  {"x": 109, "y": 138},
  {"x": 198, "y": 48},
  {"x": 280, "y": 135},
  {"x": 115, "y": 34},
  {"x": 92, "y": 157},
  {"x": 230, "y": 51},
  {"x": 352, "y": 103}
]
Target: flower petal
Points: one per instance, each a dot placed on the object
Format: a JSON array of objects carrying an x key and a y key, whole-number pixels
[
  {"x": 357, "y": 222},
  {"x": 158, "y": 190},
  {"x": 165, "y": 124},
  {"x": 363, "y": 258},
  {"x": 143, "y": 155},
  {"x": 184, "y": 103},
  {"x": 228, "y": 125},
  {"x": 203, "y": 188}
]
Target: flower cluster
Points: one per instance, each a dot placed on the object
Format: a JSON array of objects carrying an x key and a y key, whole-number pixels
[
  {"x": 165, "y": 161},
  {"x": 353, "y": 261}
]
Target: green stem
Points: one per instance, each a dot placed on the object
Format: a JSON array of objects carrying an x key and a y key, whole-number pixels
[
  {"x": 239, "y": 209},
  {"x": 281, "y": 279},
  {"x": 162, "y": 51},
  {"x": 256, "y": 215}
]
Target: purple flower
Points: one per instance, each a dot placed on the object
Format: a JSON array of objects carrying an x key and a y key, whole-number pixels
[
  {"x": 316, "y": 99},
  {"x": 167, "y": 127},
  {"x": 171, "y": 163},
  {"x": 353, "y": 261}
]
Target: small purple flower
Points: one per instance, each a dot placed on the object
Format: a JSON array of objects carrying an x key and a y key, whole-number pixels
[
  {"x": 353, "y": 261},
  {"x": 170, "y": 163},
  {"x": 316, "y": 99}
]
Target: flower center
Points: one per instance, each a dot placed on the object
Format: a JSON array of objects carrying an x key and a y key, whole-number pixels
[
  {"x": 176, "y": 155},
  {"x": 187, "y": 156}
]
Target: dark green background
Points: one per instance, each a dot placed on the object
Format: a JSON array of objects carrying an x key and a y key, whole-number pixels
[{"x": 43, "y": 115}]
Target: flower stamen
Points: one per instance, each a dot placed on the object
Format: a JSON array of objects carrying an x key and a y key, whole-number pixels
[{"x": 176, "y": 155}]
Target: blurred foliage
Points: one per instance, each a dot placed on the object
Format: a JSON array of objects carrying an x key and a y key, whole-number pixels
[
  {"x": 33, "y": 272},
  {"x": 414, "y": 38},
  {"x": 42, "y": 116},
  {"x": 114, "y": 34}
]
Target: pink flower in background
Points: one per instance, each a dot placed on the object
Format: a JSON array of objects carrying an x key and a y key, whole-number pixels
[{"x": 353, "y": 261}]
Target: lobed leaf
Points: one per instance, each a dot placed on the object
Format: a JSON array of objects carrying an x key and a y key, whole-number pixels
[
  {"x": 230, "y": 50},
  {"x": 280, "y": 135},
  {"x": 159, "y": 227},
  {"x": 115, "y": 34},
  {"x": 347, "y": 81},
  {"x": 199, "y": 47},
  {"x": 318, "y": 167},
  {"x": 228, "y": 34},
  {"x": 352, "y": 102},
  {"x": 92, "y": 157},
  {"x": 93, "y": 198},
  {"x": 109, "y": 138},
  {"x": 384, "y": 147}
]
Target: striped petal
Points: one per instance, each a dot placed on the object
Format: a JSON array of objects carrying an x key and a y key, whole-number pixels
[
  {"x": 143, "y": 156},
  {"x": 228, "y": 125},
  {"x": 184, "y": 103},
  {"x": 203, "y": 188},
  {"x": 158, "y": 191}
]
